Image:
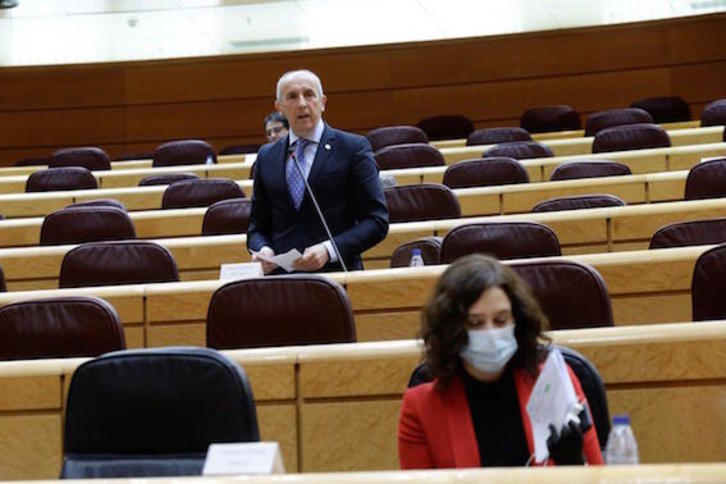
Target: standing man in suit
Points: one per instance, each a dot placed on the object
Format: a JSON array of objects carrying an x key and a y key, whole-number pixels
[{"x": 342, "y": 173}]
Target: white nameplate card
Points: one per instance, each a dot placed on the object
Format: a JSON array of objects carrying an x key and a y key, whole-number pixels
[
  {"x": 243, "y": 458},
  {"x": 244, "y": 270}
]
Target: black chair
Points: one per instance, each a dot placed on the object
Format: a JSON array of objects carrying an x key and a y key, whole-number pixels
[
  {"x": 490, "y": 136},
  {"x": 409, "y": 155},
  {"x": 667, "y": 109},
  {"x": 64, "y": 178},
  {"x": 630, "y": 137},
  {"x": 77, "y": 225},
  {"x": 615, "y": 117},
  {"x": 588, "y": 169},
  {"x": 694, "y": 232},
  {"x": 708, "y": 285},
  {"x": 154, "y": 412},
  {"x": 199, "y": 193},
  {"x": 88, "y": 157},
  {"x": 446, "y": 126},
  {"x": 549, "y": 119},
  {"x": 184, "y": 152},
  {"x": 231, "y": 216},
  {"x": 426, "y": 201},
  {"x": 519, "y": 150},
  {"x": 707, "y": 180},
  {"x": 714, "y": 114},
  {"x": 485, "y": 172},
  {"x": 395, "y": 135},
  {"x": 578, "y": 202}
]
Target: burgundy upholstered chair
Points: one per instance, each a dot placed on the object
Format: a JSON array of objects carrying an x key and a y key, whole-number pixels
[
  {"x": 231, "y": 216},
  {"x": 395, "y": 135},
  {"x": 446, "y": 126},
  {"x": 630, "y": 137},
  {"x": 67, "y": 178},
  {"x": 709, "y": 285},
  {"x": 408, "y": 156},
  {"x": 589, "y": 169},
  {"x": 707, "y": 180},
  {"x": 166, "y": 179},
  {"x": 485, "y": 172},
  {"x": 279, "y": 311},
  {"x": 77, "y": 225},
  {"x": 116, "y": 263},
  {"x": 578, "y": 202},
  {"x": 427, "y": 201},
  {"x": 694, "y": 232},
  {"x": 184, "y": 152},
  {"x": 549, "y": 119},
  {"x": 200, "y": 193},
  {"x": 88, "y": 157},
  {"x": 490, "y": 136},
  {"x": 714, "y": 114},
  {"x": 615, "y": 117},
  {"x": 519, "y": 150},
  {"x": 667, "y": 109},
  {"x": 430, "y": 248},
  {"x": 59, "y": 328},
  {"x": 503, "y": 240}
]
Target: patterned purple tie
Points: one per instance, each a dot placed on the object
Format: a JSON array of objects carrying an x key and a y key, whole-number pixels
[{"x": 295, "y": 183}]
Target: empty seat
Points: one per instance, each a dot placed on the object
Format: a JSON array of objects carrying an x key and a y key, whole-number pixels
[
  {"x": 200, "y": 193},
  {"x": 446, "y": 126},
  {"x": 68, "y": 178},
  {"x": 572, "y": 295},
  {"x": 667, "y": 109},
  {"x": 578, "y": 202},
  {"x": 430, "y": 248},
  {"x": 154, "y": 412},
  {"x": 279, "y": 311},
  {"x": 88, "y": 157},
  {"x": 59, "y": 328},
  {"x": 503, "y": 240},
  {"x": 588, "y": 169},
  {"x": 630, "y": 137},
  {"x": 707, "y": 180},
  {"x": 709, "y": 285},
  {"x": 408, "y": 156},
  {"x": 76, "y": 225},
  {"x": 427, "y": 201},
  {"x": 519, "y": 150},
  {"x": 395, "y": 135},
  {"x": 231, "y": 216},
  {"x": 112, "y": 263},
  {"x": 615, "y": 117},
  {"x": 695, "y": 232},
  {"x": 490, "y": 136},
  {"x": 184, "y": 152},
  {"x": 166, "y": 179},
  {"x": 240, "y": 149},
  {"x": 714, "y": 113},
  {"x": 99, "y": 202},
  {"x": 31, "y": 162},
  {"x": 548, "y": 119},
  {"x": 485, "y": 172}
]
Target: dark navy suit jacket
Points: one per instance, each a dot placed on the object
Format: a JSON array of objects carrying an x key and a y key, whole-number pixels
[{"x": 345, "y": 181}]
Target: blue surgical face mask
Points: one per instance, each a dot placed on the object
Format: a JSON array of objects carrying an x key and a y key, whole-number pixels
[{"x": 489, "y": 350}]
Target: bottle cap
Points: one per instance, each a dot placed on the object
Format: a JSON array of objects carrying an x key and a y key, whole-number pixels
[
  {"x": 415, "y": 252},
  {"x": 621, "y": 420}
]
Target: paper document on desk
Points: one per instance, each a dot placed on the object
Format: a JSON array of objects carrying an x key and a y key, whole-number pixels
[
  {"x": 553, "y": 396},
  {"x": 285, "y": 260}
]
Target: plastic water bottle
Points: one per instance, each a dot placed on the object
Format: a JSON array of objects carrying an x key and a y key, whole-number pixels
[
  {"x": 621, "y": 448},
  {"x": 416, "y": 259},
  {"x": 209, "y": 160}
]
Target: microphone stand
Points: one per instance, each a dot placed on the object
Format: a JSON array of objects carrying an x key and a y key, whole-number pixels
[{"x": 317, "y": 209}]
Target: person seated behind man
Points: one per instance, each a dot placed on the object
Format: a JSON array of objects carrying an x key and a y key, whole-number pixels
[
  {"x": 276, "y": 126},
  {"x": 482, "y": 332}
]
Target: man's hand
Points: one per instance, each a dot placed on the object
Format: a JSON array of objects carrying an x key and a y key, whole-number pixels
[
  {"x": 314, "y": 258},
  {"x": 267, "y": 267}
]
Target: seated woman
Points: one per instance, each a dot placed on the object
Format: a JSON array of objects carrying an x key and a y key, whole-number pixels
[{"x": 482, "y": 332}]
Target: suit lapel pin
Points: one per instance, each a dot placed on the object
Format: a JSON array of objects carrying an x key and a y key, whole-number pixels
[{"x": 327, "y": 147}]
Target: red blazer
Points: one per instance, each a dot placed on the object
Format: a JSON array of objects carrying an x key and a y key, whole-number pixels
[{"x": 436, "y": 431}]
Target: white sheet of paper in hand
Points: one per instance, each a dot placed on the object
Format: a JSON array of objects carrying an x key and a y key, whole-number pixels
[
  {"x": 285, "y": 260},
  {"x": 553, "y": 396}
]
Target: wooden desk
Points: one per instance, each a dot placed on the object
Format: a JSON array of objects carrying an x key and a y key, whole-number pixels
[{"x": 336, "y": 407}]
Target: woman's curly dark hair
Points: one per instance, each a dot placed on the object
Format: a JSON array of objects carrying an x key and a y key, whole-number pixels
[{"x": 443, "y": 321}]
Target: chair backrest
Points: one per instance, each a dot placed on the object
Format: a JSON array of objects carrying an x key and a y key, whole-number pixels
[
  {"x": 615, "y": 117},
  {"x": 59, "y": 328},
  {"x": 446, "y": 126},
  {"x": 548, "y": 119},
  {"x": 578, "y": 202},
  {"x": 114, "y": 263},
  {"x": 430, "y": 248},
  {"x": 154, "y": 412},
  {"x": 231, "y": 216},
  {"x": 694, "y": 232},
  {"x": 408, "y": 156},
  {"x": 167, "y": 179},
  {"x": 708, "y": 285},
  {"x": 240, "y": 149},
  {"x": 519, "y": 150},
  {"x": 572, "y": 295},
  {"x": 77, "y": 225},
  {"x": 88, "y": 157},
  {"x": 184, "y": 152},
  {"x": 395, "y": 135},
  {"x": 426, "y": 201},
  {"x": 503, "y": 240},
  {"x": 630, "y": 137},
  {"x": 589, "y": 169},
  {"x": 490, "y": 136},
  {"x": 485, "y": 172},
  {"x": 68, "y": 178},
  {"x": 200, "y": 193},
  {"x": 279, "y": 311},
  {"x": 714, "y": 113},
  {"x": 99, "y": 202},
  {"x": 667, "y": 109},
  {"x": 707, "y": 180}
]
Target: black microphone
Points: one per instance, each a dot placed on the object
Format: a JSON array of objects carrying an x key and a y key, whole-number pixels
[{"x": 291, "y": 151}]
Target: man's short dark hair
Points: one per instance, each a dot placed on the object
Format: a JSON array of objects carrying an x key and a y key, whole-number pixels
[{"x": 276, "y": 117}]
